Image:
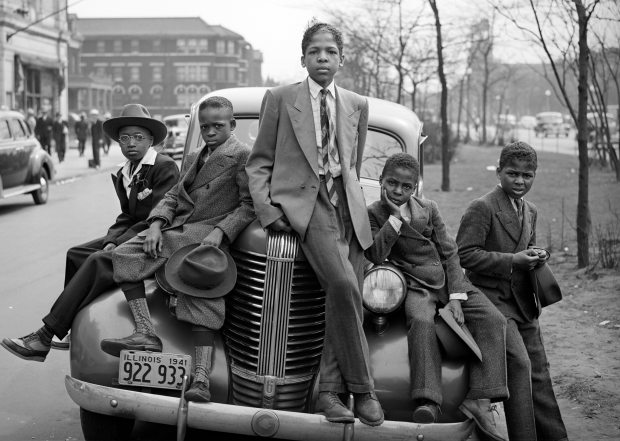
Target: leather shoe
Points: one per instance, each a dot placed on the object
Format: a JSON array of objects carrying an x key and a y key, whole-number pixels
[
  {"x": 198, "y": 392},
  {"x": 135, "y": 342},
  {"x": 426, "y": 413},
  {"x": 481, "y": 412},
  {"x": 329, "y": 403},
  {"x": 30, "y": 347},
  {"x": 368, "y": 409}
]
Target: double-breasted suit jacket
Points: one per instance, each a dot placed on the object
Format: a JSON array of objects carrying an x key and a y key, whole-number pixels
[
  {"x": 488, "y": 237},
  {"x": 283, "y": 166},
  {"x": 423, "y": 250}
]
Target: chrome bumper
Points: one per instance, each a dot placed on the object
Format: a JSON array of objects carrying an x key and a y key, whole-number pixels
[{"x": 251, "y": 420}]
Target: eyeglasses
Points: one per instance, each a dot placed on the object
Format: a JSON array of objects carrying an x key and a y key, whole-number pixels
[{"x": 124, "y": 139}]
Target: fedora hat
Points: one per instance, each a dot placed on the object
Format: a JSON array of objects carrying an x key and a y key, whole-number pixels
[
  {"x": 135, "y": 115},
  {"x": 452, "y": 336},
  {"x": 201, "y": 271}
]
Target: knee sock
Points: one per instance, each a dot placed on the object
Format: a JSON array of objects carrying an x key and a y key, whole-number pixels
[
  {"x": 203, "y": 342},
  {"x": 136, "y": 298},
  {"x": 45, "y": 334}
]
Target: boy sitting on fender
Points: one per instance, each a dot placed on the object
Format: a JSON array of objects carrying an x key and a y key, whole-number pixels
[
  {"x": 410, "y": 232},
  {"x": 210, "y": 205}
]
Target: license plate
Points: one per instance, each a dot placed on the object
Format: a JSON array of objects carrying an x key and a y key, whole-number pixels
[{"x": 153, "y": 369}]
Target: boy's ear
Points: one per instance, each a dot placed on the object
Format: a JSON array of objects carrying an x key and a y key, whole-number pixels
[
  {"x": 303, "y": 64},
  {"x": 341, "y": 60},
  {"x": 233, "y": 124}
]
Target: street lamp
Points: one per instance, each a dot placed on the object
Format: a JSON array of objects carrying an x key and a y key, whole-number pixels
[{"x": 548, "y": 94}]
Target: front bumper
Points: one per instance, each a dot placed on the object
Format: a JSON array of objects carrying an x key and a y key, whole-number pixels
[{"x": 250, "y": 420}]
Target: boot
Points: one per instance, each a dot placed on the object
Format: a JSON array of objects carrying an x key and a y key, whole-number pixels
[{"x": 203, "y": 363}]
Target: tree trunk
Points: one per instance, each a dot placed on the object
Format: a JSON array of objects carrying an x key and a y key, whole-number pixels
[
  {"x": 445, "y": 133},
  {"x": 458, "y": 114}
]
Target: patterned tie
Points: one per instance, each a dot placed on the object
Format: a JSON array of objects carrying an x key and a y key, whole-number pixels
[
  {"x": 326, "y": 147},
  {"x": 519, "y": 203}
]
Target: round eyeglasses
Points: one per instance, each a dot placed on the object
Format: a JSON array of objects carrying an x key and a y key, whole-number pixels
[{"x": 124, "y": 139}]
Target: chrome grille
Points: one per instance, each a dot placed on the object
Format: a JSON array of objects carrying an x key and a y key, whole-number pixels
[{"x": 274, "y": 326}]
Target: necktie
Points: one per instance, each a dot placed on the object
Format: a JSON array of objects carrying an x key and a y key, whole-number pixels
[
  {"x": 519, "y": 204},
  {"x": 326, "y": 148}
]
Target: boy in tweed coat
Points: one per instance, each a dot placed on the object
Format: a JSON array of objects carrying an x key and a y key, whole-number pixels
[
  {"x": 495, "y": 238},
  {"x": 211, "y": 205},
  {"x": 410, "y": 232}
]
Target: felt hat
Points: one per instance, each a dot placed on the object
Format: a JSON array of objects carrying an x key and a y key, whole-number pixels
[
  {"x": 454, "y": 338},
  {"x": 135, "y": 115},
  {"x": 201, "y": 271}
]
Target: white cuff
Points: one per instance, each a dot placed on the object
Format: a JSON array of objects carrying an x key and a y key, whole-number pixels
[
  {"x": 395, "y": 223},
  {"x": 458, "y": 296}
]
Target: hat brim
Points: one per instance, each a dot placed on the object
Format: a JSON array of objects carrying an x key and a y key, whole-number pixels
[
  {"x": 157, "y": 128},
  {"x": 160, "y": 278},
  {"x": 179, "y": 286},
  {"x": 452, "y": 336}
]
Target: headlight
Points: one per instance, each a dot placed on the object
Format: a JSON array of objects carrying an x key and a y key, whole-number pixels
[{"x": 384, "y": 288}]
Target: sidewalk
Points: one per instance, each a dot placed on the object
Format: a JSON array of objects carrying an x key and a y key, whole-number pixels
[{"x": 75, "y": 166}]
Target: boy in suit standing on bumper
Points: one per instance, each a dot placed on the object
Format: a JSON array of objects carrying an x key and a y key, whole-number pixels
[
  {"x": 304, "y": 177},
  {"x": 495, "y": 238},
  {"x": 410, "y": 232}
]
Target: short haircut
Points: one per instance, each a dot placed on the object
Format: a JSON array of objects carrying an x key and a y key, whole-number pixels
[
  {"x": 518, "y": 151},
  {"x": 404, "y": 160},
  {"x": 216, "y": 102},
  {"x": 315, "y": 27}
]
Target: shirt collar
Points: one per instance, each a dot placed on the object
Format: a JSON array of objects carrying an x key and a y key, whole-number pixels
[
  {"x": 148, "y": 159},
  {"x": 315, "y": 88}
]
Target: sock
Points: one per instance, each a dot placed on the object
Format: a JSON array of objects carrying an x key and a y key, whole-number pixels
[
  {"x": 46, "y": 334},
  {"x": 141, "y": 315},
  {"x": 204, "y": 355}
]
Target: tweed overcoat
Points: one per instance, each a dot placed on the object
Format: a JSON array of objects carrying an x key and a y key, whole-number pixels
[
  {"x": 488, "y": 237},
  {"x": 217, "y": 195},
  {"x": 283, "y": 166}
]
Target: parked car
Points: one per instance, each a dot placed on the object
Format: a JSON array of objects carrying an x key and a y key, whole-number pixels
[
  {"x": 527, "y": 122},
  {"x": 25, "y": 168},
  {"x": 174, "y": 144},
  {"x": 264, "y": 380},
  {"x": 551, "y": 124}
]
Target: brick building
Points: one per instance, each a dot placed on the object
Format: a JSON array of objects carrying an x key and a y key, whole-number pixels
[{"x": 164, "y": 63}]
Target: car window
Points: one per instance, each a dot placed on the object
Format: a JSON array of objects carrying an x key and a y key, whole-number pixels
[
  {"x": 4, "y": 130},
  {"x": 379, "y": 147},
  {"x": 16, "y": 129}
]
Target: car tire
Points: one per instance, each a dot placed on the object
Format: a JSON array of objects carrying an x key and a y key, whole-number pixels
[
  {"x": 99, "y": 427},
  {"x": 40, "y": 196}
]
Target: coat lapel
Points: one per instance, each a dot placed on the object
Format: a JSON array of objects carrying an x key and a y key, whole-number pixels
[
  {"x": 347, "y": 119},
  {"x": 506, "y": 215},
  {"x": 302, "y": 121}
]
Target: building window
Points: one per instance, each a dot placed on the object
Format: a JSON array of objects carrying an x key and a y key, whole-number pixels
[
  {"x": 203, "y": 45},
  {"x": 220, "y": 73},
  {"x": 232, "y": 74},
  {"x": 182, "y": 100},
  {"x": 203, "y": 73},
  {"x": 118, "y": 96},
  {"x": 181, "y": 45},
  {"x": 118, "y": 46},
  {"x": 220, "y": 47},
  {"x": 181, "y": 76},
  {"x": 156, "y": 92},
  {"x": 242, "y": 78},
  {"x": 135, "y": 92},
  {"x": 231, "y": 47},
  {"x": 118, "y": 90},
  {"x": 157, "y": 73},
  {"x": 156, "y": 45},
  {"x": 134, "y": 73},
  {"x": 101, "y": 46},
  {"x": 118, "y": 74},
  {"x": 192, "y": 73},
  {"x": 204, "y": 90},
  {"x": 192, "y": 45},
  {"x": 135, "y": 46}
]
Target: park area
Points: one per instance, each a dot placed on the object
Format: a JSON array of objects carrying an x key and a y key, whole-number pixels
[{"x": 582, "y": 332}]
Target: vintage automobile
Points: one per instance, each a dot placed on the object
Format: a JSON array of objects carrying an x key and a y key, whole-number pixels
[
  {"x": 174, "y": 144},
  {"x": 25, "y": 168},
  {"x": 264, "y": 378},
  {"x": 551, "y": 124}
]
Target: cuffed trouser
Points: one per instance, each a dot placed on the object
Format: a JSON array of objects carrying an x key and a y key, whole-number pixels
[
  {"x": 532, "y": 412},
  {"x": 78, "y": 254},
  {"x": 337, "y": 259},
  {"x": 487, "y": 379},
  {"x": 96, "y": 147},
  {"x": 92, "y": 279}
]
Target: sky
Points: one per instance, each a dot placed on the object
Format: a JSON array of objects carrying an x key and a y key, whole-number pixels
[{"x": 273, "y": 26}]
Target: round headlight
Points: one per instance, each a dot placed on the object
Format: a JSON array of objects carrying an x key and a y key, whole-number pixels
[{"x": 384, "y": 288}]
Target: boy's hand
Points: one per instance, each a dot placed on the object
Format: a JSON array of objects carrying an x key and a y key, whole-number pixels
[
  {"x": 454, "y": 306},
  {"x": 525, "y": 260},
  {"x": 214, "y": 238},
  {"x": 152, "y": 242},
  {"x": 543, "y": 256},
  {"x": 109, "y": 247},
  {"x": 394, "y": 209},
  {"x": 280, "y": 224}
]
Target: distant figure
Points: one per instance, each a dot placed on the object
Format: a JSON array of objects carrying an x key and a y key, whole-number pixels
[
  {"x": 81, "y": 132},
  {"x": 31, "y": 119},
  {"x": 96, "y": 133},
  {"x": 60, "y": 129},
  {"x": 43, "y": 131},
  {"x": 107, "y": 141}
]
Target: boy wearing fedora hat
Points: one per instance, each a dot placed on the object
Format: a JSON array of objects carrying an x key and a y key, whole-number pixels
[
  {"x": 197, "y": 219},
  {"x": 410, "y": 232},
  {"x": 140, "y": 184}
]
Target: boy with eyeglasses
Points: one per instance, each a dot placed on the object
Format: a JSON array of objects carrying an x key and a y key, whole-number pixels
[
  {"x": 140, "y": 184},
  {"x": 210, "y": 205}
]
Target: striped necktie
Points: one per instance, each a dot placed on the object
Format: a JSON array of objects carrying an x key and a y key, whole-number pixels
[
  {"x": 519, "y": 204},
  {"x": 327, "y": 149}
]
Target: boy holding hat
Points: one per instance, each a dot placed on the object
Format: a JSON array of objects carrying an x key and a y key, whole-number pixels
[
  {"x": 140, "y": 184},
  {"x": 195, "y": 220},
  {"x": 410, "y": 232}
]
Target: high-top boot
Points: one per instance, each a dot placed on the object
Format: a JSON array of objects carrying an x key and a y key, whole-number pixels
[
  {"x": 143, "y": 338},
  {"x": 199, "y": 389}
]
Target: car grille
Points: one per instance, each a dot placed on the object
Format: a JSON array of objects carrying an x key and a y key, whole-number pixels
[{"x": 274, "y": 326}]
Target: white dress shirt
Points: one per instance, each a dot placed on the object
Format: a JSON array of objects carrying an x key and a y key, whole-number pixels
[{"x": 147, "y": 159}]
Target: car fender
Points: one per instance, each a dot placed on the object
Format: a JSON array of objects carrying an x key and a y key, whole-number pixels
[{"x": 38, "y": 160}]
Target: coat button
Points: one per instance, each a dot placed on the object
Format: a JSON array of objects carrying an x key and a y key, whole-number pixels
[
  {"x": 302, "y": 187},
  {"x": 435, "y": 263},
  {"x": 207, "y": 186}
]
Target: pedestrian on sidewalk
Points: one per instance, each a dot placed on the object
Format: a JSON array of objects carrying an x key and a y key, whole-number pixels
[
  {"x": 81, "y": 132},
  {"x": 96, "y": 133},
  {"x": 60, "y": 130}
]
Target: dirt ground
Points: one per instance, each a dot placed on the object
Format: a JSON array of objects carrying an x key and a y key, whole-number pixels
[{"x": 582, "y": 332}]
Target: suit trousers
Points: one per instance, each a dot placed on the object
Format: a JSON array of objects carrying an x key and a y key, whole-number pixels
[
  {"x": 78, "y": 254},
  {"x": 92, "y": 279},
  {"x": 487, "y": 378},
  {"x": 532, "y": 412},
  {"x": 338, "y": 261}
]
